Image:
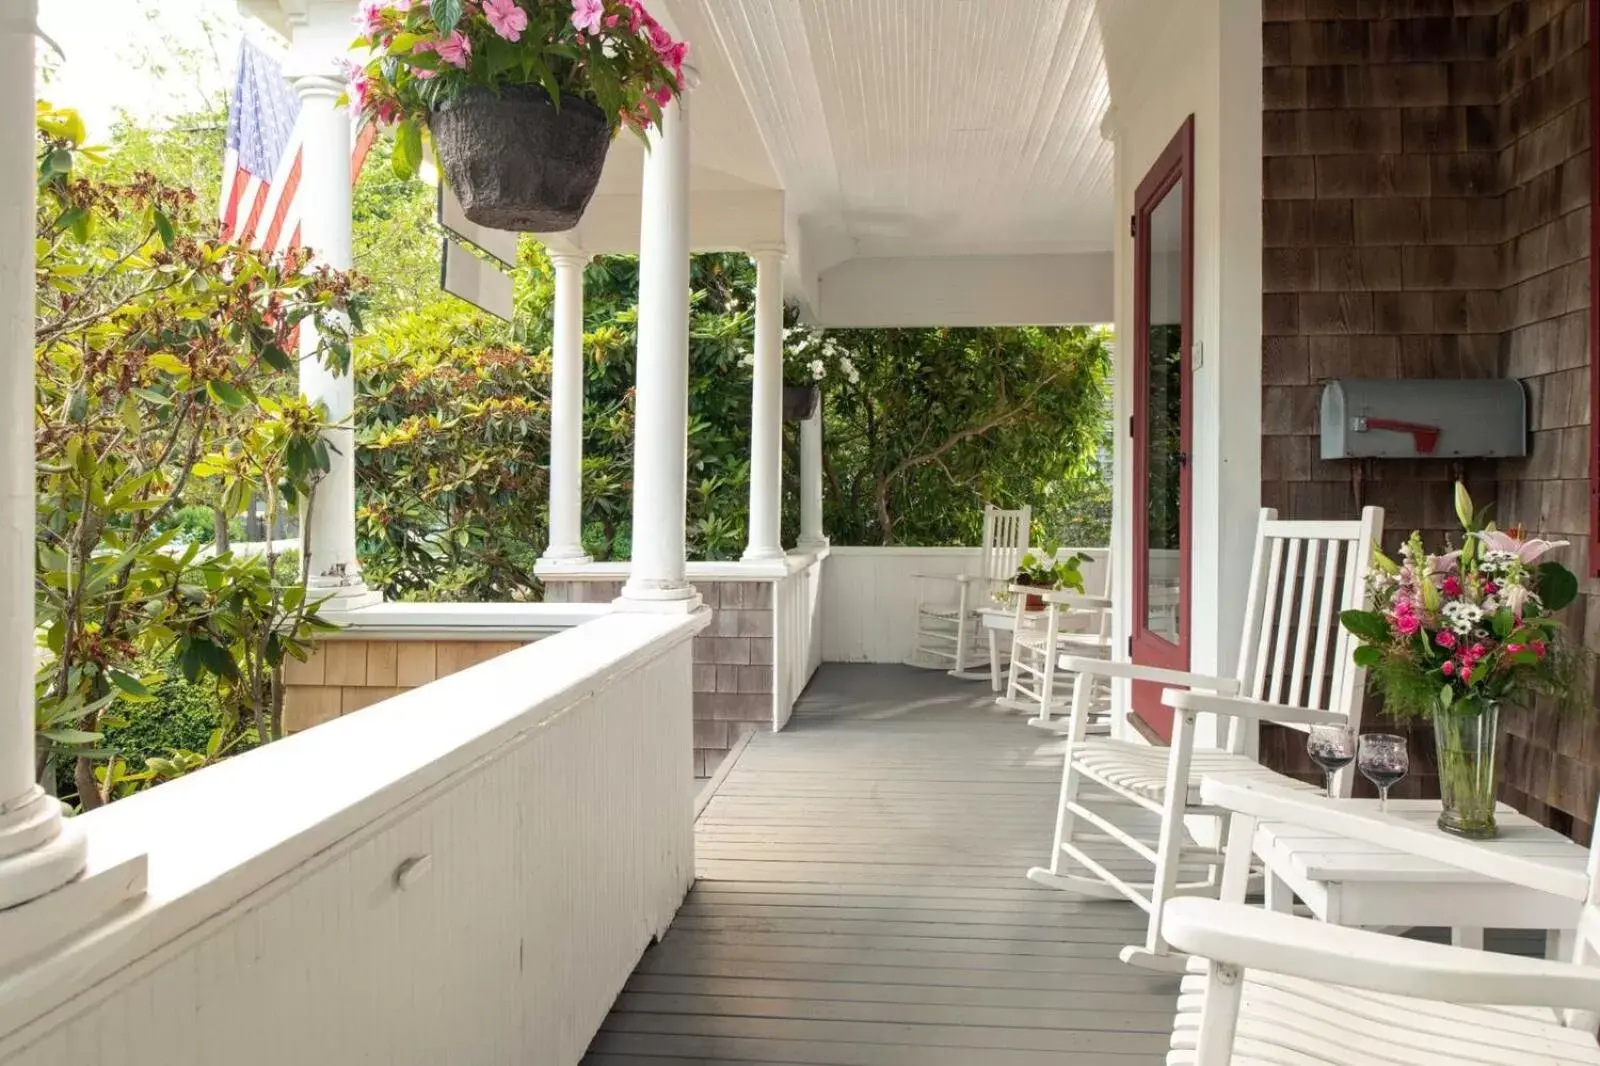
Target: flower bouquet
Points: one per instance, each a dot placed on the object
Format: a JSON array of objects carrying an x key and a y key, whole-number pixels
[
  {"x": 522, "y": 97},
  {"x": 1453, "y": 636}
]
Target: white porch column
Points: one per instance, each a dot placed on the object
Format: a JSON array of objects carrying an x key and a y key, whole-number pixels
[
  {"x": 811, "y": 534},
  {"x": 658, "y": 578},
  {"x": 566, "y": 412},
  {"x": 39, "y": 850},
  {"x": 766, "y": 410},
  {"x": 325, "y": 196}
]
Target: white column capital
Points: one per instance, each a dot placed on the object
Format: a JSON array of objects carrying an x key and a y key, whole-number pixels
[
  {"x": 767, "y": 253},
  {"x": 563, "y": 259},
  {"x": 324, "y": 85}
]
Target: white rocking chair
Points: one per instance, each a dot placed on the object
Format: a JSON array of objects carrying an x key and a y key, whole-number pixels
[
  {"x": 1303, "y": 575},
  {"x": 1040, "y": 643},
  {"x": 1265, "y": 987},
  {"x": 949, "y": 630}
]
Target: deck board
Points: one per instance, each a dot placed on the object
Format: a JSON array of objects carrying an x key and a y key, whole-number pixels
[{"x": 862, "y": 902}]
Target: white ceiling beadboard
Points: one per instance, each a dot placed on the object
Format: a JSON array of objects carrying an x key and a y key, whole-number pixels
[{"x": 927, "y": 127}]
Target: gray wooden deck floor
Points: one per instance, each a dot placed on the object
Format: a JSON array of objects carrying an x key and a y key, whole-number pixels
[{"x": 862, "y": 902}]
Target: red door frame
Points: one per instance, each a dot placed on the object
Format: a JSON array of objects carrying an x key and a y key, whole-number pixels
[{"x": 1147, "y": 648}]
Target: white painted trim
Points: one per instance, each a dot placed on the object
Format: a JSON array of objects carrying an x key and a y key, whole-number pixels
[
  {"x": 464, "y": 621},
  {"x": 967, "y": 290}
]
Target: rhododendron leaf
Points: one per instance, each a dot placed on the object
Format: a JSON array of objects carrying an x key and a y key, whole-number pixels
[
  {"x": 1368, "y": 625},
  {"x": 1557, "y": 586}
]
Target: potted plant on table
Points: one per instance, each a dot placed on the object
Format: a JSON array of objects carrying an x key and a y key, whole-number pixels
[
  {"x": 521, "y": 97},
  {"x": 1452, "y": 637},
  {"x": 1041, "y": 568}
]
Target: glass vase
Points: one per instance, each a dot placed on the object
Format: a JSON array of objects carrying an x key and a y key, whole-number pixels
[{"x": 1465, "y": 735}]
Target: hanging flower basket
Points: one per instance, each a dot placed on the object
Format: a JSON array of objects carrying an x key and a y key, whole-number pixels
[
  {"x": 516, "y": 162},
  {"x": 521, "y": 97},
  {"x": 800, "y": 402}
]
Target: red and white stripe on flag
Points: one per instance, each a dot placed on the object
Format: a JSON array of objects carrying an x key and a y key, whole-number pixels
[{"x": 261, "y": 166}]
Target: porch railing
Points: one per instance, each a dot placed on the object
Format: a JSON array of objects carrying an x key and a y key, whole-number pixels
[{"x": 467, "y": 872}]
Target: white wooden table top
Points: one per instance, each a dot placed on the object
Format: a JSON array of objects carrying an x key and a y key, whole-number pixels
[{"x": 1322, "y": 856}]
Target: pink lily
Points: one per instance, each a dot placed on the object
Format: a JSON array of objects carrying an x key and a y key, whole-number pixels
[{"x": 1526, "y": 550}]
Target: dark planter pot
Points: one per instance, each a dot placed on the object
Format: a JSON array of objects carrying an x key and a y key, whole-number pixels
[
  {"x": 515, "y": 162},
  {"x": 800, "y": 401}
]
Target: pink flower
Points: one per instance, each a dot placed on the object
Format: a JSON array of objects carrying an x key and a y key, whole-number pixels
[
  {"x": 506, "y": 17},
  {"x": 1466, "y": 674},
  {"x": 674, "y": 56},
  {"x": 1445, "y": 639},
  {"x": 1526, "y": 550},
  {"x": 456, "y": 49},
  {"x": 1513, "y": 649},
  {"x": 1477, "y": 651},
  {"x": 587, "y": 14},
  {"x": 1407, "y": 624},
  {"x": 1539, "y": 648},
  {"x": 1451, "y": 586},
  {"x": 1490, "y": 588},
  {"x": 1447, "y": 668},
  {"x": 369, "y": 17},
  {"x": 360, "y": 87},
  {"x": 660, "y": 39},
  {"x": 662, "y": 94},
  {"x": 612, "y": 20}
]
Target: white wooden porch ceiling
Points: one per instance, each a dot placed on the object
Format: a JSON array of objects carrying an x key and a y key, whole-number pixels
[{"x": 927, "y": 127}]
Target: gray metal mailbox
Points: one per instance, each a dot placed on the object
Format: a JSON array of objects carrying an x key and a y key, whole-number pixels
[{"x": 1413, "y": 419}]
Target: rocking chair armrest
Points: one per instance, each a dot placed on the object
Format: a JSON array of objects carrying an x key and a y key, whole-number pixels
[
  {"x": 1223, "y": 686},
  {"x": 1243, "y": 707},
  {"x": 1358, "y": 821},
  {"x": 1258, "y": 939}
]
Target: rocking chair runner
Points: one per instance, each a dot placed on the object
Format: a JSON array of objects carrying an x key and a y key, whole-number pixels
[
  {"x": 1040, "y": 643},
  {"x": 1272, "y": 988},
  {"x": 1303, "y": 575},
  {"x": 948, "y": 626}
]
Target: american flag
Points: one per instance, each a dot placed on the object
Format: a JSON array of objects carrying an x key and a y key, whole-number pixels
[{"x": 261, "y": 167}]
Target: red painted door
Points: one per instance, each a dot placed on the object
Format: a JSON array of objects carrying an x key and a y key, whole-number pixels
[{"x": 1163, "y": 227}]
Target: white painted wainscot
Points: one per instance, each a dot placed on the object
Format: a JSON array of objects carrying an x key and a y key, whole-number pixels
[
  {"x": 465, "y": 873},
  {"x": 869, "y": 596}
]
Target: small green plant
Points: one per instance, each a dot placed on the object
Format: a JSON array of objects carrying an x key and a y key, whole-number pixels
[{"x": 1046, "y": 568}]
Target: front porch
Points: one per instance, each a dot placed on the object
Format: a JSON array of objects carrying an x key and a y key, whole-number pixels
[{"x": 860, "y": 901}]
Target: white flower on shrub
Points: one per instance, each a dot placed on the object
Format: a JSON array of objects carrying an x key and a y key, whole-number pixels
[
  {"x": 747, "y": 358},
  {"x": 819, "y": 369},
  {"x": 851, "y": 374}
]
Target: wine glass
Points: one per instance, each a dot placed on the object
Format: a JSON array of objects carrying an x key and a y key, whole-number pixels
[
  {"x": 1332, "y": 747},
  {"x": 1382, "y": 759}
]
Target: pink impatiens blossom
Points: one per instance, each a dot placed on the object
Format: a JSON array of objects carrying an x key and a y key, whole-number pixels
[
  {"x": 1539, "y": 648},
  {"x": 587, "y": 14},
  {"x": 506, "y": 17},
  {"x": 369, "y": 17},
  {"x": 456, "y": 49},
  {"x": 360, "y": 87}
]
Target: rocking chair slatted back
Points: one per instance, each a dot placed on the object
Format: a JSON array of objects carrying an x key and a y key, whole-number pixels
[
  {"x": 1293, "y": 649},
  {"x": 1005, "y": 542}
]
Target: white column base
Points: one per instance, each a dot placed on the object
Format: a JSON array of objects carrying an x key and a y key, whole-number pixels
[
  {"x": 763, "y": 555},
  {"x": 39, "y": 849},
  {"x": 341, "y": 595},
  {"x": 566, "y": 555},
  {"x": 652, "y": 597},
  {"x": 813, "y": 543}
]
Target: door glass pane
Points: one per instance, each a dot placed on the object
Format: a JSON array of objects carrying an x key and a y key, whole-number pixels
[{"x": 1164, "y": 456}]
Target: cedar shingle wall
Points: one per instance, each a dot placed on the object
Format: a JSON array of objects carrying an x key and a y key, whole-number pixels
[
  {"x": 1551, "y": 768},
  {"x": 1426, "y": 210}
]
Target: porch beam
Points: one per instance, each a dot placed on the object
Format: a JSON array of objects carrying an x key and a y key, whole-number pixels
[
  {"x": 566, "y": 412},
  {"x": 659, "y": 580},
  {"x": 328, "y": 526},
  {"x": 766, "y": 410},
  {"x": 39, "y": 849}
]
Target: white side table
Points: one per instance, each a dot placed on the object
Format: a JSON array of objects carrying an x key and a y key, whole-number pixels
[
  {"x": 997, "y": 620},
  {"x": 1347, "y": 882}
]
